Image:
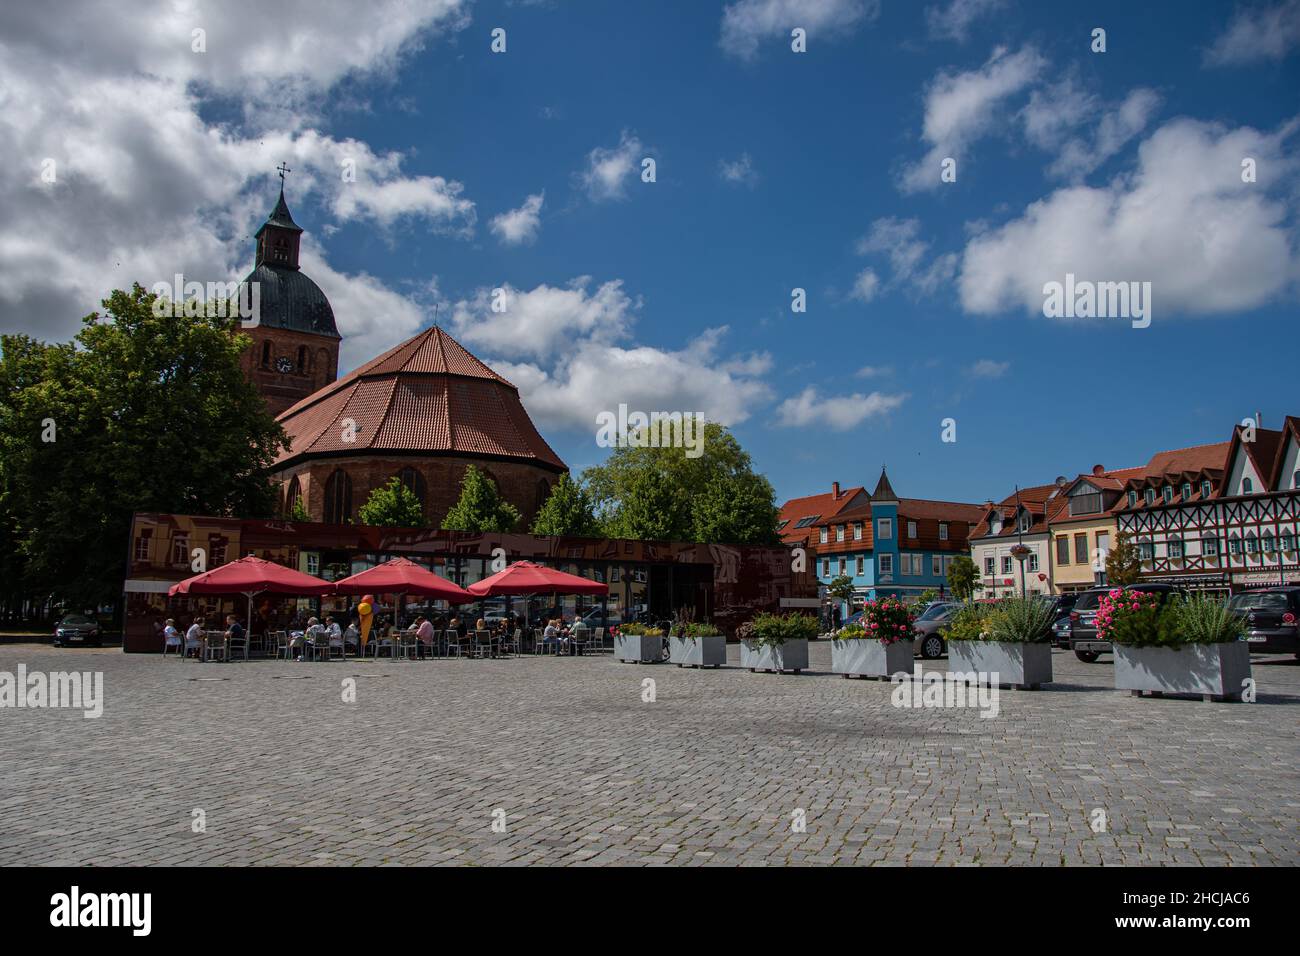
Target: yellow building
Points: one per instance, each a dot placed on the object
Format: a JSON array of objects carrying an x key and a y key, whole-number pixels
[{"x": 1082, "y": 532}]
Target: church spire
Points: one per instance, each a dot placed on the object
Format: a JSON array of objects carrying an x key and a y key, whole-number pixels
[{"x": 279, "y": 237}]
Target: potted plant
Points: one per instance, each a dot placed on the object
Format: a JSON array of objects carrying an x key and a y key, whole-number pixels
[
  {"x": 878, "y": 647},
  {"x": 1175, "y": 646},
  {"x": 778, "y": 642},
  {"x": 697, "y": 645},
  {"x": 639, "y": 644},
  {"x": 1008, "y": 643}
]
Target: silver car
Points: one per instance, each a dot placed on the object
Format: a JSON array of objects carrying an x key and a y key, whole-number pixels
[{"x": 930, "y": 627}]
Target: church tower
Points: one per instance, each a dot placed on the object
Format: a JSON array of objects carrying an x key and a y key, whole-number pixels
[{"x": 295, "y": 349}]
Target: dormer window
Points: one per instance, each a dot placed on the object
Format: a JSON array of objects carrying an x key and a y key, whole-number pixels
[
  {"x": 1132, "y": 499},
  {"x": 1149, "y": 496},
  {"x": 1187, "y": 490},
  {"x": 1167, "y": 493},
  {"x": 911, "y": 529},
  {"x": 943, "y": 531},
  {"x": 1024, "y": 522},
  {"x": 823, "y": 535},
  {"x": 1207, "y": 488},
  {"x": 839, "y": 532}
]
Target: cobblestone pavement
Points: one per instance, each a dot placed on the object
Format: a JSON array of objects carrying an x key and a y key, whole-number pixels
[{"x": 583, "y": 771}]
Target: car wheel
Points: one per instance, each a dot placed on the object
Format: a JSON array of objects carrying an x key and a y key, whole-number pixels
[
  {"x": 932, "y": 647},
  {"x": 1088, "y": 657}
]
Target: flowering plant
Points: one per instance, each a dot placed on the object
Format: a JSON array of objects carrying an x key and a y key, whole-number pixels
[
  {"x": 885, "y": 619},
  {"x": 772, "y": 629},
  {"x": 1136, "y": 618}
]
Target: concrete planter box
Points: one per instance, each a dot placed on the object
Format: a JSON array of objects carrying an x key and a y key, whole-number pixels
[
  {"x": 1017, "y": 664},
  {"x": 698, "y": 651},
  {"x": 790, "y": 656},
  {"x": 867, "y": 657},
  {"x": 638, "y": 648},
  {"x": 1208, "y": 670}
]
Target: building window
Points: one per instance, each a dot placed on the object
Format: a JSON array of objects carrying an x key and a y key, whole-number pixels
[
  {"x": 313, "y": 562},
  {"x": 839, "y": 532},
  {"x": 1209, "y": 545},
  {"x": 857, "y": 531},
  {"x": 338, "y": 498},
  {"x": 1247, "y": 486},
  {"x": 1132, "y": 499},
  {"x": 1080, "y": 549},
  {"x": 1175, "y": 547},
  {"x": 1252, "y": 543},
  {"x": 936, "y": 565},
  {"x": 1234, "y": 544},
  {"x": 861, "y": 568},
  {"x": 292, "y": 495},
  {"x": 943, "y": 531},
  {"x": 1032, "y": 561},
  {"x": 1062, "y": 550},
  {"x": 1146, "y": 551},
  {"x": 826, "y": 567},
  {"x": 1167, "y": 493},
  {"x": 544, "y": 492},
  {"x": 1206, "y": 488},
  {"x": 1086, "y": 504},
  {"x": 824, "y": 535},
  {"x": 911, "y": 529},
  {"x": 266, "y": 354},
  {"x": 1187, "y": 491},
  {"x": 988, "y": 566},
  {"x": 141, "y": 552},
  {"x": 216, "y": 551},
  {"x": 414, "y": 482},
  {"x": 1006, "y": 564},
  {"x": 886, "y": 564},
  {"x": 181, "y": 549},
  {"x": 1149, "y": 496},
  {"x": 1103, "y": 548},
  {"x": 1025, "y": 521},
  {"x": 885, "y": 529},
  {"x": 1295, "y": 480},
  {"x": 1284, "y": 541},
  {"x": 844, "y": 566},
  {"x": 302, "y": 358},
  {"x": 1268, "y": 542}
]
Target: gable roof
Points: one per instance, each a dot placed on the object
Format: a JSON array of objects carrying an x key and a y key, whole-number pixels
[{"x": 816, "y": 507}]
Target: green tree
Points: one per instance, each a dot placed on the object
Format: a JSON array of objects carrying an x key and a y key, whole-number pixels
[
  {"x": 962, "y": 575},
  {"x": 481, "y": 507},
  {"x": 841, "y": 587},
  {"x": 141, "y": 412},
  {"x": 392, "y": 505},
  {"x": 1123, "y": 563},
  {"x": 567, "y": 512},
  {"x": 660, "y": 493},
  {"x": 297, "y": 511}
]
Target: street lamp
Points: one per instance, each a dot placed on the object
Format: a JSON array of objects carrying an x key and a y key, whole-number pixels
[{"x": 1020, "y": 552}]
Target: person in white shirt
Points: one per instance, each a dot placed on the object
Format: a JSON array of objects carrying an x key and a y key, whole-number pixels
[
  {"x": 194, "y": 637},
  {"x": 171, "y": 636}
]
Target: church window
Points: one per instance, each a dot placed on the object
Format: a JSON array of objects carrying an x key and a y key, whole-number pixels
[
  {"x": 266, "y": 353},
  {"x": 292, "y": 495},
  {"x": 338, "y": 498},
  {"x": 413, "y": 482},
  {"x": 543, "y": 492},
  {"x": 302, "y": 358}
]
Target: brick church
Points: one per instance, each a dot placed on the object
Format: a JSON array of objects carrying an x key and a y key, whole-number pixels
[{"x": 421, "y": 412}]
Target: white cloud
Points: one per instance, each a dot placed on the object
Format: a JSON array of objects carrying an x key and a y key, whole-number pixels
[
  {"x": 1183, "y": 220},
  {"x": 607, "y": 171},
  {"x": 988, "y": 368},
  {"x": 740, "y": 172},
  {"x": 865, "y": 286},
  {"x": 117, "y": 99},
  {"x": 961, "y": 108},
  {"x": 840, "y": 412},
  {"x": 873, "y": 371},
  {"x": 519, "y": 226},
  {"x": 1258, "y": 33},
  {"x": 954, "y": 21},
  {"x": 748, "y": 22},
  {"x": 900, "y": 240},
  {"x": 1055, "y": 115}
]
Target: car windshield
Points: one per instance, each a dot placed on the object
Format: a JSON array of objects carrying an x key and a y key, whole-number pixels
[
  {"x": 1088, "y": 601},
  {"x": 1262, "y": 601},
  {"x": 935, "y": 612},
  {"x": 75, "y": 620}
]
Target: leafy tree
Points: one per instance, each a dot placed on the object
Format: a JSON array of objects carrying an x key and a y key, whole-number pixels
[
  {"x": 298, "y": 511},
  {"x": 567, "y": 511},
  {"x": 140, "y": 412},
  {"x": 1123, "y": 563},
  {"x": 660, "y": 493},
  {"x": 392, "y": 505},
  {"x": 926, "y": 596},
  {"x": 962, "y": 575},
  {"x": 841, "y": 587},
  {"x": 481, "y": 507}
]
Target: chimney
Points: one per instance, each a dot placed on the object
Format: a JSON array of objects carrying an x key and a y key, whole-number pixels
[
  {"x": 1259, "y": 420},
  {"x": 835, "y": 490},
  {"x": 1098, "y": 470}
]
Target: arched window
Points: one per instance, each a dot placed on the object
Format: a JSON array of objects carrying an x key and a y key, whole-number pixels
[
  {"x": 338, "y": 498},
  {"x": 266, "y": 354},
  {"x": 414, "y": 482},
  {"x": 302, "y": 358},
  {"x": 1247, "y": 486},
  {"x": 543, "y": 492},
  {"x": 292, "y": 494}
]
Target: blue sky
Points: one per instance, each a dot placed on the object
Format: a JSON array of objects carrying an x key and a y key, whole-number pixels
[{"x": 923, "y": 299}]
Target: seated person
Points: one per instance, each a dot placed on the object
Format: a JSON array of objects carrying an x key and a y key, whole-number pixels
[
  {"x": 194, "y": 638},
  {"x": 352, "y": 638},
  {"x": 171, "y": 636}
]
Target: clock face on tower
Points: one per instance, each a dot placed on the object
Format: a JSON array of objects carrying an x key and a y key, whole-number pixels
[{"x": 283, "y": 365}]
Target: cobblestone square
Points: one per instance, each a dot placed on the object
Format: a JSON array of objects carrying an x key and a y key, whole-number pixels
[{"x": 712, "y": 772}]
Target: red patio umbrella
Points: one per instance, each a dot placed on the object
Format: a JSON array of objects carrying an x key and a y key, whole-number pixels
[
  {"x": 525, "y": 577},
  {"x": 251, "y": 576},
  {"x": 403, "y": 576}
]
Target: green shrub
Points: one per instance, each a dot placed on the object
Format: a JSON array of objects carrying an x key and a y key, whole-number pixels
[
  {"x": 1202, "y": 619},
  {"x": 640, "y": 630},
  {"x": 1025, "y": 620},
  {"x": 971, "y": 623},
  {"x": 690, "y": 631},
  {"x": 773, "y": 629}
]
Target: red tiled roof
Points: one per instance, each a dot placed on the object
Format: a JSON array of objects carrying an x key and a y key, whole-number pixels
[
  {"x": 1037, "y": 500},
  {"x": 428, "y": 395},
  {"x": 825, "y": 505}
]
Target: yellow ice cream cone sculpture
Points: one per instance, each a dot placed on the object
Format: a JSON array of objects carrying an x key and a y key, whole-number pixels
[{"x": 365, "y": 613}]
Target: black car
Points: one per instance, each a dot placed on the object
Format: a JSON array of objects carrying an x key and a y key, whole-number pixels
[
  {"x": 76, "y": 630},
  {"x": 1271, "y": 615},
  {"x": 1083, "y": 619}
]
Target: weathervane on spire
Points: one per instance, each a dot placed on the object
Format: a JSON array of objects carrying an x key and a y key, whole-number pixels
[{"x": 282, "y": 169}]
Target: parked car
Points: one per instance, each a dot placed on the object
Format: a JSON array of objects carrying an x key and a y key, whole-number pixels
[
  {"x": 1083, "y": 619},
  {"x": 1271, "y": 615},
  {"x": 1061, "y": 633},
  {"x": 930, "y": 627},
  {"x": 79, "y": 630}
]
